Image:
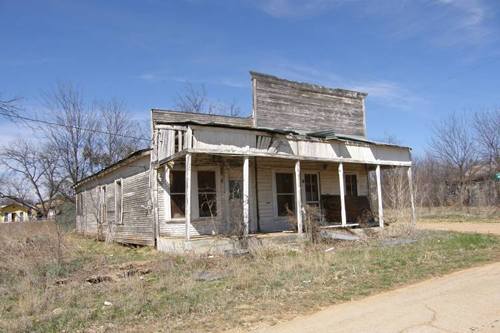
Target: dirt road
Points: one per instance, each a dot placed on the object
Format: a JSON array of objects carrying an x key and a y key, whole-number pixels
[
  {"x": 465, "y": 301},
  {"x": 484, "y": 228}
]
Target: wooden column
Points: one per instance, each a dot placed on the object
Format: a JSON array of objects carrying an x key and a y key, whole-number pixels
[
  {"x": 298, "y": 198},
  {"x": 412, "y": 202},
  {"x": 379, "y": 198},
  {"x": 246, "y": 190},
  {"x": 342, "y": 194},
  {"x": 187, "y": 206}
]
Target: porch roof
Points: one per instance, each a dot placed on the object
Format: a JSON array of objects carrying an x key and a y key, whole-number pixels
[{"x": 250, "y": 153}]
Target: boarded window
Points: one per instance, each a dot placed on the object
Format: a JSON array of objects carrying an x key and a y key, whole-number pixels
[
  {"x": 351, "y": 185},
  {"x": 285, "y": 194},
  {"x": 207, "y": 194},
  {"x": 118, "y": 202},
  {"x": 311, "y": 189},
  {"x": 177, "y": 194}
]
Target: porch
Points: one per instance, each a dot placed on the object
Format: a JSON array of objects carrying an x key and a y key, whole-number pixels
[{"x": 202, "y": 194}]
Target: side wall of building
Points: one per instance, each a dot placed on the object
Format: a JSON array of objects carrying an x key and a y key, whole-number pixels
[{"x": 99, "y": 216}]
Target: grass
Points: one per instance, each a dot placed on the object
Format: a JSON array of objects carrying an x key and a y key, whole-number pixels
[
  {"x": 460, "y": 215},
  {"x": 43, "y": 284}
]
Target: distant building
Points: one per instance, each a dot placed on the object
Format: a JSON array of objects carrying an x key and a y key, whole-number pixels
[{"x": 14, "y": 212}]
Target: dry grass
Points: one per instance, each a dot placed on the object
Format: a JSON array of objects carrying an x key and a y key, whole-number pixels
[
  {"x": 157, "y": 292},
  {"x": 483, "y": 214}
]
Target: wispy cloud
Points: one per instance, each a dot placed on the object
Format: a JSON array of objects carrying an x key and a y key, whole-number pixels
[
  {"x": 221, "y": 81},
  {"x": 295, "y": 8},
  {"x": 386, "y": 92},
  {"x": 443, "y": 22}
]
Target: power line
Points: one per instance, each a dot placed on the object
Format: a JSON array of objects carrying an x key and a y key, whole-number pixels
[{"x": 8, "y": 115}]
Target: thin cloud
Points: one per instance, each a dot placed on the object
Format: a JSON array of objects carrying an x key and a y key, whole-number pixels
[
  {"x": 388, "y": 93},
  {"x": 444, "y": 23},
  {"x": 295, "y": 8}
]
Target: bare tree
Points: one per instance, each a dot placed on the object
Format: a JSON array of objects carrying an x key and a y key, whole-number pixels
[
  {"x": 487, "y": 130},
  {"x": 34, "y": 175},
  {"x": 195, "y": 99},
  {"x": 8, "y": 107},
  {"x": 120, "y": 135},
  {"x": 74, "y": 139},
  {"x": 454, "y": 146}
]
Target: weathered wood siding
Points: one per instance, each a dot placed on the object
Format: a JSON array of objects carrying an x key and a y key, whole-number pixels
[
  {"x": 164, "y": 116},
  {"x": 283, "y": 104},
  {"x": 137, "y": 226}
]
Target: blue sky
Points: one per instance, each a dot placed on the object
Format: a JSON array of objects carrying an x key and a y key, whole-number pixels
[{"x": 417, "y": 60}]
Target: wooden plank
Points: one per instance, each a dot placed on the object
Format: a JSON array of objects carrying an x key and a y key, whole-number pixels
[
  {"x": 246, "y": 187},
  {"x": 342, "y": 194},
  {"x": 379, "y": 198},
  {"x": 188, "y": 196},
  {"x": 298, "y": 198}
]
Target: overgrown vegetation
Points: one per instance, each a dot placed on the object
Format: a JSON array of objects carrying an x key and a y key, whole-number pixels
[{"x": 55, "y": 280}]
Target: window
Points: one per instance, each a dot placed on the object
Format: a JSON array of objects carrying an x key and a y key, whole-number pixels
[
  {"x": 207, "y": 194},
  {"x": 177, "y": 194},
  {"x": 351, "y": 185},
  {"x": 235, "y": 187},
  {"x": 285, "y": 194},
  {"x": 118, "y": 202},
  {"x": 21, "y": 217},
  {"x": 311, "y": 189}
]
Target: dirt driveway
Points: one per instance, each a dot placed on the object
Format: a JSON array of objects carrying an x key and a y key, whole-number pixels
[
  {"x": 465, "y": 301},
  {"x": 483, "y": 228}
]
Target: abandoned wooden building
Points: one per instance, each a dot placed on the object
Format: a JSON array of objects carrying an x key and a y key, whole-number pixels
[{"x": 304, "y": 146}]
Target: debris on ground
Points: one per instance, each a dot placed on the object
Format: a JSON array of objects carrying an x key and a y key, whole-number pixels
[{"x": 94, "y": 279}]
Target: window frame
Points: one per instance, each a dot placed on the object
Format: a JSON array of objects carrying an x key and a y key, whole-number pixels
[
  {"x": 194, "y": 194},
  {"x": 169, "y": 196},
  {"x": 318, "y": 184},
  {"x": 275, "y": 191},
  {"x": 355, "y": 174},
  {"x": 215, "y": 192}
]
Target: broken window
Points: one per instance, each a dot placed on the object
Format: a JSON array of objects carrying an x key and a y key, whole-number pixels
[
  {"x": 207, "y": 194},
  {"x": 351, "y": 185},
  {"x": 177, "y": 194},
  {"x": 285, "y": 194},
  {"x": 235, "y": 187}
]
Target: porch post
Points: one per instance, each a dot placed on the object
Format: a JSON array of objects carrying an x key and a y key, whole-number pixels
[
  {"x": 298, "y": 198},
  {"x": 410, "y": 187},
  {"x": 379, "y": 198},
  {"x": 187, "y": 208},
  {"x": 342, "y": 194},
  {"x": 246, "y": 190}
]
